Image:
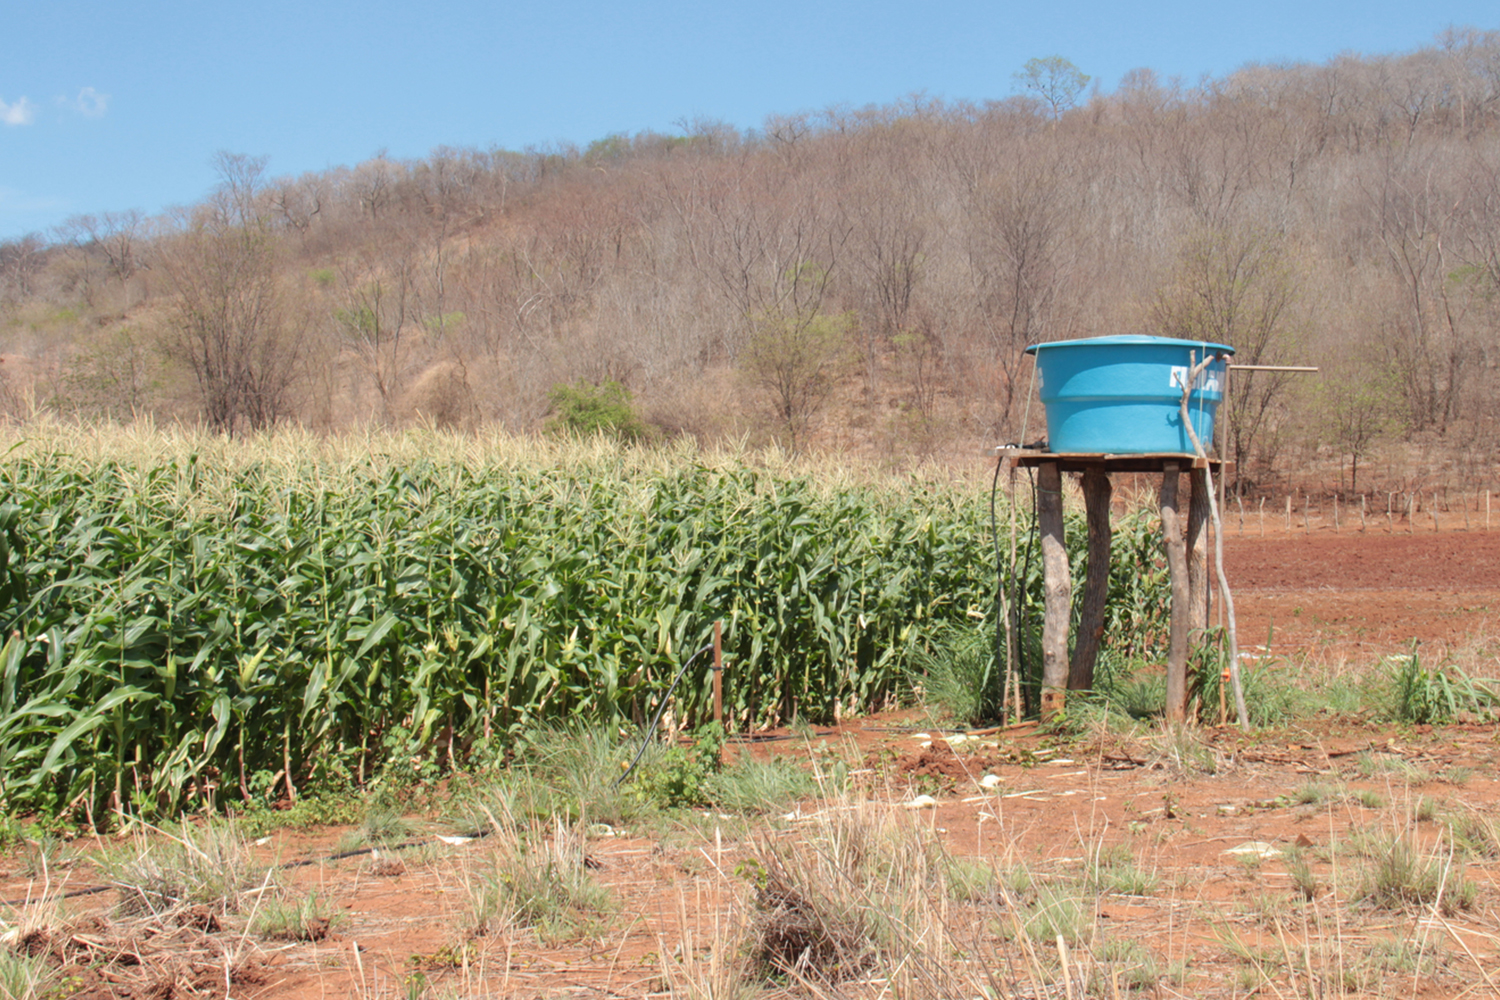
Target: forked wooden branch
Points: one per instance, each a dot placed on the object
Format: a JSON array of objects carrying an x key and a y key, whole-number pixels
[{"x": 1194, "y": 370}]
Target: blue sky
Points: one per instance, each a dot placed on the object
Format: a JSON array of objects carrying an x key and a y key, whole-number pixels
[{"x": 115, "y": 106}]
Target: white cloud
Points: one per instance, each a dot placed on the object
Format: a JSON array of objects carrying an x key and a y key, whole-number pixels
[
  {"x": 90, "y": 103},
  {"x": 20, "y": 113}
]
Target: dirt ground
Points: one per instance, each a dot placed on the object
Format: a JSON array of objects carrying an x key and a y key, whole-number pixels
[
  {"x": 1358, "y": 595},
  {"x": 1218, "y": 819}
]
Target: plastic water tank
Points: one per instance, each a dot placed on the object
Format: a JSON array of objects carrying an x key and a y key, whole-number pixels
[{"x": 1122, "y": 395}]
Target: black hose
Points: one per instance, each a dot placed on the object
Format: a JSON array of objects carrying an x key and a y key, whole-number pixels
[
  {"x": 1017, "y": 588},
  {"x": 665, "y": 699},
  {"x": 1000, "y": 629}
]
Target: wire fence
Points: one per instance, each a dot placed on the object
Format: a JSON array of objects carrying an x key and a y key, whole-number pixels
[{"x": 1402, "y": 511}]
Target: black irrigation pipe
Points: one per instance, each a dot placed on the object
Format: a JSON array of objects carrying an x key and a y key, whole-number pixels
[{"x": 665, "y": 700}]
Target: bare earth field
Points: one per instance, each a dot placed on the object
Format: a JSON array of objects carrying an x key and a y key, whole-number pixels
[{"x": 1216, "y": 864}]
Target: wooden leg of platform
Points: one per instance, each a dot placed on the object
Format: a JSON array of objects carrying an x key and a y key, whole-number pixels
[
  {"x": 1058, "y": 589},
  {"x": 1177, "y": 646},
  {"x": 1096, "y": 494},
  {"x": 1197, "y": 560}
]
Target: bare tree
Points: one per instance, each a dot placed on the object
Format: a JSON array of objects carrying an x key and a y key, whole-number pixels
[
  {"x": 231, "y": 323},
  {"x": 1237, "y": 287}
]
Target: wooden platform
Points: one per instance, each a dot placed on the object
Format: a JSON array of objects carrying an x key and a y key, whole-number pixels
[{"x": 1030, "y": 458}]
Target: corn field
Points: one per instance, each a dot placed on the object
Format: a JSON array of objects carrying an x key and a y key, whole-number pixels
[{"x": 190, "y": 624}]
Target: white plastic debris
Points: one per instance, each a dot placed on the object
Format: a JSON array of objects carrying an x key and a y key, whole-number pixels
[
  {"x": 1256, "y": 849},
  {"x": 990, "y": 781},
  {"x": 457, "y": 841},
  {"x": 922, "y": 802}
]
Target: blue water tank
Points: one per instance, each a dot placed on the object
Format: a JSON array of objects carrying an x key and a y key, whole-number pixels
[{"x": 1122, "y": 395}]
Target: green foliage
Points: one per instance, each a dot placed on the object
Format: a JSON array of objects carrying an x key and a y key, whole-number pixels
[
  {"x": 797, "y": 359},
  {"x": 299, "y": 918},
  {"x": 757, "y": 786},
  {"x": 1054, "y": 81},
  {"x": 186, "y": 627},
  {"x": 959, "y": 673},
  {"x": 1399, "y": 876},
  {"x": 584, "y": 409},
  {"x": 323, "y": 277},
  {"x": 1431, "y": 697},
  {"x": 680, "y": 775}
]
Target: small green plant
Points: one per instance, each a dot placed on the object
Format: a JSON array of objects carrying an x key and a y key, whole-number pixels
[
  {"x": 1398, "y": 876},
  {"x": 542, "y": 884},
  {"x": 1316, "y": 793},
  {"x": 25, "y": 977},
  {"x": 584, "y": 409},
  {"x": 1430, "y": 697},
  {"x": 1474, "y": 834},
  {"x": 1369, "y": 798},
  {"x": 1299, "y": 870},
  {"x": 306, "y": 918},
  {"x": 1058, "y": 912},
  {"x": 958, "y": 673},
  {"x": 1115, "y": 869},
  {"x": 207, "y": 865},
  {"x": 680, "y": 776},
  {"x": 1128, "y": 963},
  {"x": 967, "y": 881},
  {"x": 757, "y": 786}
]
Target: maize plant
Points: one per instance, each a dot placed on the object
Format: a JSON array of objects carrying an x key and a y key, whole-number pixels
[{"x": 198, "y": 624}]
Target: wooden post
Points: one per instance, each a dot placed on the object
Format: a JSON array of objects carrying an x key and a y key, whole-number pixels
[
  {"x": 1363, "y": 524},
  {"x": 1096, "y": 496},
  {"x": 1197, "y": 550},
  {"x": 1057, "y": 588},
  {"x": 1288, "y": 512},
  {"x": 1335, "y": 513},
  {"x": 1177, "y": 646},
  {"x": 1263, "y": 517},
  {"x": 1197, "y": 564},
  {"x": 719, "y": 672}
]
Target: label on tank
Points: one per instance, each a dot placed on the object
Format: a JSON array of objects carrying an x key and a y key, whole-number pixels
[{"x": 1208, "y": 380}]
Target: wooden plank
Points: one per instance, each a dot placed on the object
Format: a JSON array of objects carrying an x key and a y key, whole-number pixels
[
  {"x": 1057, "y": 589},
  {"x": 1177, "y": 645},
  {"x": 1081, "y": 462},
  {"x": 1096, "y": 496}
]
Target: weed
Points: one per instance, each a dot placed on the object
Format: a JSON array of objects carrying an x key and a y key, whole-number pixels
[
  {"x": 1127, "y": 962},
  {"x": 967, "y": 881},
  {"x": 1117, "y": 870},
  {"x": 958, "y": 673},
  {"x": 24, "y": 977},
  {"x": 681, "y": 776},
  {"x": 1299, "y": 870},
  {"x": 1432, "y": 697},
  {"x": 1474, "y": 834},
  {"x": 1316, "y": 793},
  {"x": 206, "y": 865},
  {"x": 1398, "y": 876},
  {"x": 307, "y": 918},
  {"x": 540, "y": 884},
  {"x": 1369, "y": 798},
  {"x": 756, "y": 786},
  {"x": 1058, "y": 913}
]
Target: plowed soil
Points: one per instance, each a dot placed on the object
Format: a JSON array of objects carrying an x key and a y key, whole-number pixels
[{"x": 1218, "y": 820}]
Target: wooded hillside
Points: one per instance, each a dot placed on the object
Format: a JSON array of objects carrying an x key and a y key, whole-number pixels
[{"x": 850, "y": 279}]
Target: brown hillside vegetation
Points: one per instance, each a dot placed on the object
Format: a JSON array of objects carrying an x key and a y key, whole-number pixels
[{"x": 856, "y": 279}]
